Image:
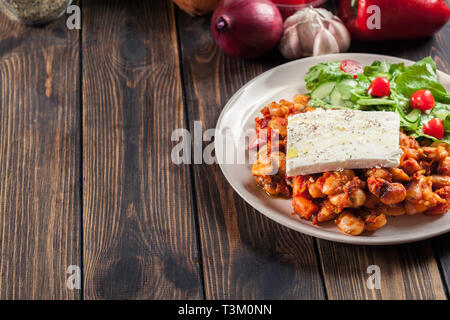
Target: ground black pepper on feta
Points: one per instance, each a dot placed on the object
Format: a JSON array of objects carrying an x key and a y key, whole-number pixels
[{"x": 326, "y": 140}]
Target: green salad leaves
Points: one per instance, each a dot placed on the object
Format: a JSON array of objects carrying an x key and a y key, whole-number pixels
[{"x": 333, "y": 88}]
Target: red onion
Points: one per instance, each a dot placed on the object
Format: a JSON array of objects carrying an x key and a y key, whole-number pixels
[{"x": 246, "y": 29}]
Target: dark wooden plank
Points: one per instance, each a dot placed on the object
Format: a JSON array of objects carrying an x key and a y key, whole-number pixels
[
  {"x": 407, "y": 271},
  {"x": 139, "y": 231},
  {"x": 245, "y": 255},
  {"x": 39, "y": 160}
]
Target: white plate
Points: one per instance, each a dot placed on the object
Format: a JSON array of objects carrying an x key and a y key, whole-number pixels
[{"x": 283, "y": 82}]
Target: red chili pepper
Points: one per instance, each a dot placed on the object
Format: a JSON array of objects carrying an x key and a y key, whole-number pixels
[{"x": 399, "y": 19}]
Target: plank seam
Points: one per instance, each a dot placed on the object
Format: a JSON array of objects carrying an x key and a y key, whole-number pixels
[
  {"x": 320, "y": 267},
  {"x": 81, "y": 187},
  {"x": 191, "y": 168}
]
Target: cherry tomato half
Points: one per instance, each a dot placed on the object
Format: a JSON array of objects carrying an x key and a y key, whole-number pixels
[
  {"x": 423, "y": 100},
  {"x": 380, "y": 87},
  {"x": 352, "y": 67},
  {"x": 434, "y": 128}
]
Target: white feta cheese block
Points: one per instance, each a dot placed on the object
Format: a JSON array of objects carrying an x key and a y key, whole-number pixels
[{"x": 329, "y": 140}]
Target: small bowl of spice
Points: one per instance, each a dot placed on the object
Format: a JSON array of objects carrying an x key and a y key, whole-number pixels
[{"x": 34, "y": 12}]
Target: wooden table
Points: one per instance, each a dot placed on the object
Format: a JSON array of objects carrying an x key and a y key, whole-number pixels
[{"x": 86, "y": 178}]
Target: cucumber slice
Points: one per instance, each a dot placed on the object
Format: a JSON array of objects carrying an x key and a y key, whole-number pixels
[
  {"x": 345, "y": 87},
  {"x": 323, "y": 91},
  {"x": 413, "y": 116},
  {"x": 336, "y": 98}
]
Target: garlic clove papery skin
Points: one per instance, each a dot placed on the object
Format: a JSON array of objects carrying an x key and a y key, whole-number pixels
[
  {"x": 325, "y": 43},
  {"x": 291, "y": 47},
  {"x": 341, "y": 34},
  {"x": 307, "y": 33},
  {"x": 292, "y": 21}
]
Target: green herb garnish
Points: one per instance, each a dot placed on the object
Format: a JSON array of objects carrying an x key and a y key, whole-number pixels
[{"x": 332, "y": 88}]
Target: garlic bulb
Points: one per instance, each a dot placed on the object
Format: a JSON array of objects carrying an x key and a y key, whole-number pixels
[{"x": 313, "y": 32}]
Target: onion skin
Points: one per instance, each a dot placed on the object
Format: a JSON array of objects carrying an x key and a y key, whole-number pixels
[
  {"x": 246, "y": 29},
  {"x": 198, "y": 7}
]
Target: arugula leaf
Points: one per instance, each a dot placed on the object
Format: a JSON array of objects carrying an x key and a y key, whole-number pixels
[
  {"x": 317, "y": 103},
  {"x": 375, "y": 102},
  {"x": 404, "y": 82},
  {"x": 383, "y": 69},
  {"x": 378, "y": 69},
  {"x": 364, "y": 82},
  {"x": 421, "y": 75},
  {"x": 325, "y": 72},
  {"x": 441, "y": 111},
  {"x": 447, "y": 123},
  {"x": 396, "y": 69}
]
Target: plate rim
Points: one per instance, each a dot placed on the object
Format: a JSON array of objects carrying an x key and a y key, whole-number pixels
[{"x": 299, "y": 227}]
